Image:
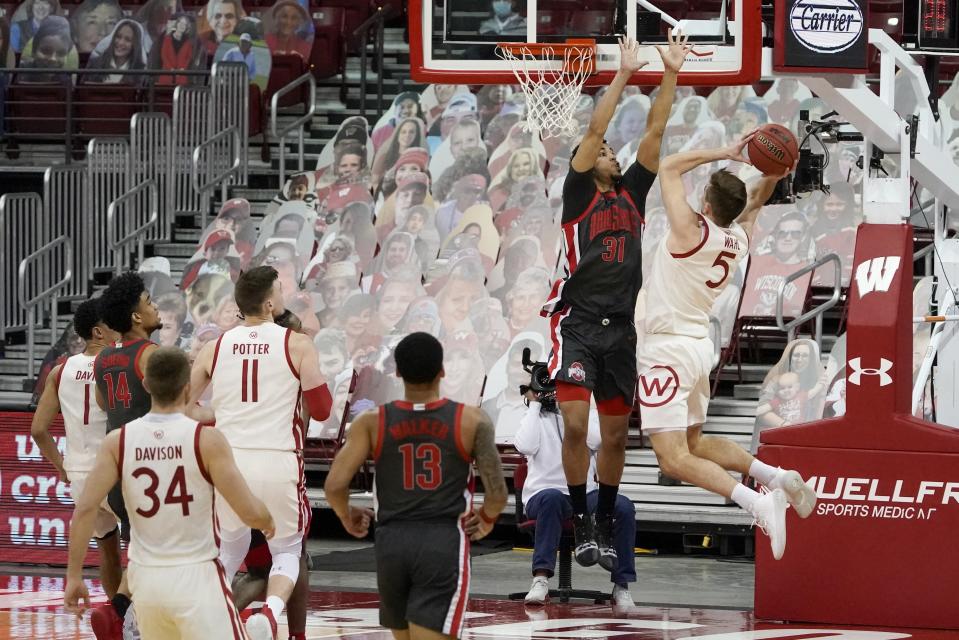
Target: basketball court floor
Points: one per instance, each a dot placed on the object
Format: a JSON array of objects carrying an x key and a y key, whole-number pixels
[{"x": 677, "y": 597}]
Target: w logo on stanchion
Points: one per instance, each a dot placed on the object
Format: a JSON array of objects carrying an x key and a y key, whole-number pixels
[
  {"x": 658, "y": 385},
  {"x": 876, "y": 274}
]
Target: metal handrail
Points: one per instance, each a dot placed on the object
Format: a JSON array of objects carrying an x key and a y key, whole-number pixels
[
  {"x": 297, "y": 125},
  {"x": 48, "y": 293},
  {"x": 790, "y": 327},
  {"x": 137, "y": 233},
  {"x": 220, "y": 179},
  {"x": 381, "y": 14}
]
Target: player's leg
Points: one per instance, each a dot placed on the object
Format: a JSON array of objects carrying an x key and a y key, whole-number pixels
[
  {"x": 201, "y": 603},
  {"x": 252, "y": 585},
  {"x": 393, "y": 578},
  {"x": 676, "y": 461},
  {"x": 726, "y": 453},
  {"x": 549, "y": 508},
  {"x": 155, "y": 618},
  {"x": 296, "y": 605},
  {"x": 401, "y": 634},
  {"x": 416, "y": 632},
  {"x": 438, "y": 596},
  {"x": 111, "y": 572}
]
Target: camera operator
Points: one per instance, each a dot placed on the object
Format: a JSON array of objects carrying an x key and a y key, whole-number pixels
[{"x": 545, "y": 493}]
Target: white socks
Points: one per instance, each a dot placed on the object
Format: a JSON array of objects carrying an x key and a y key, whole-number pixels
[
  {"x": 275, "y": 604},
  {"x": 745, "y": 497},
  {"x": 766, "y": 475}
]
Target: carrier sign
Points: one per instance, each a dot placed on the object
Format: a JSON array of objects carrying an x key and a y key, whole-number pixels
[{"x": 826, "y": 26}]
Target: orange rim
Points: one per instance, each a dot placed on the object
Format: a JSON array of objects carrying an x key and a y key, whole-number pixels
[{"x": 578, "y": 54}]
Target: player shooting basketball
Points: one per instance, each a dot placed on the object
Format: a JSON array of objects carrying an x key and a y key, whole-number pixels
[
  {"x": 691, "y": 267},
  {"x": 592, "y": 307}
]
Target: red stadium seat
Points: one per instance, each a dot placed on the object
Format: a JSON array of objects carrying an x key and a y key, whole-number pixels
[
  {"x": 354, "y": 12},
  {"x": 37, "y": 109},
  {"x": 286, "y": 69},
  {"x": 105, "y": 110},
  {"x": 328, "y": 57}
]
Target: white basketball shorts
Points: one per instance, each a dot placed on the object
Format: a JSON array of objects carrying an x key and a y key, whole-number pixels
[
  {"x": 275, "y": 477},
  {"x": 190, "y": 602},
  {"x": 673, "y": 386},
  {"x": 105, "y": 521}
]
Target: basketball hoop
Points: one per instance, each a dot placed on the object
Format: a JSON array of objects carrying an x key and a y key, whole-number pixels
[{"x": 552, "y": 90}]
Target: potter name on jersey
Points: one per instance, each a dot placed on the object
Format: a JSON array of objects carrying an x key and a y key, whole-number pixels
[{"x": 251, "y": 349}]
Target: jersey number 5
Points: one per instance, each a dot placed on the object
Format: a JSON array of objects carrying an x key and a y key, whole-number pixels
[
  {"x": 722, "y": 260},
  {"x": 175, "y": 493},
  {"x": 432, "y": 472}
]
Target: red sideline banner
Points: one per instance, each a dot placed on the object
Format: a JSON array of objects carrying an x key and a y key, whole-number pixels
[{"x": 35, "y": 507}]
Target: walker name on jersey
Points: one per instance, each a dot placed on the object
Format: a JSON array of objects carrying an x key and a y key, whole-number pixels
[
  {"x": 834, "y": 493},
  {"x": 158, "y": 453},
  {"x": 616, "y": 218},
  {"x": 251, "y": 349},
  {"x": 421, "y": 427}
]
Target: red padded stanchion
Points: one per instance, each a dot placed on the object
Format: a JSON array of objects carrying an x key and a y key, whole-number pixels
[{"x": 879, "y": 550}]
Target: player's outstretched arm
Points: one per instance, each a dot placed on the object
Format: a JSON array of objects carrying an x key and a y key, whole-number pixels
[
  {"x": 47, "y": 410},
  {"x": 226, "y": 477},
  {"x": 684, "y": 232},
  {"x": 486, "y": 456},
  {"x": 104, "y": 475},
  {"x": 592, "y": 142},
  {"x": 673, "y": 55},
  {"x": 759, "y": 192},
  {"x": 359, "y": 445},
  {"x": 316, "y": 393}
]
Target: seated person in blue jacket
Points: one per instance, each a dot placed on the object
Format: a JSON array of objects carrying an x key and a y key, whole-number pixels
[{"x": 546, "y": 497}]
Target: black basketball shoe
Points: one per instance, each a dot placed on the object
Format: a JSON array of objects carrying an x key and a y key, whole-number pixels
[
  {"x": 586, "y": 551},
  {"x": 604, "y": 542}
]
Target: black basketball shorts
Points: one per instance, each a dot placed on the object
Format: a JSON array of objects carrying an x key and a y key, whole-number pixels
[
  {"x": 594, "y": 352},
  {"x": 423, "y": 575}
]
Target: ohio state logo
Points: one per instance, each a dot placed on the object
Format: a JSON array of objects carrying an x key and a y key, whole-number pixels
[
  {"x": 658, "y": 385},
  {"x": 577, "y": 372}
]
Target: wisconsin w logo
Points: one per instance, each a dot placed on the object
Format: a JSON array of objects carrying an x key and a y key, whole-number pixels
[{"x": 876, "y": 274}]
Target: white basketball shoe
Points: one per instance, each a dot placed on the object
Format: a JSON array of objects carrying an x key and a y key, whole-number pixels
[
  {"x": 799, "y": 494},
  {"x": 770, "y": 516}
]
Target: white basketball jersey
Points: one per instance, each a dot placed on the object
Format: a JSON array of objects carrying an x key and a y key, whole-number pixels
[
  {"x": 681, "y": 288},
  {"x": 85, "y": 422},
  {"x": 256, "y": 390},
  {"x": 167, "y": 491}
]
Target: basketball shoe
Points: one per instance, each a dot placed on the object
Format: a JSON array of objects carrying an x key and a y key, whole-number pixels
[
  {"x": 622, "y": 598},
  {"x": 586, "y": 550},
  {"x": 800, "y": 495},
  {"x": 539, "y": 591},
  {"x": 769, "y": 514},
  {"x": 106, "y": 623},
  {"x": 604, "y": 541},
  {"x": 262, "y": 626}
]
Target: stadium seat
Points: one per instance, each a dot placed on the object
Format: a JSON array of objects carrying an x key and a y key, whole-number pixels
[
  {"x": 35, "y": 109},
  {"x": 105, "y": 110},
  {"x": 286, "y": 69},
  {"x": 354, "y": 13},
  {"x": 328, "y": 56}
]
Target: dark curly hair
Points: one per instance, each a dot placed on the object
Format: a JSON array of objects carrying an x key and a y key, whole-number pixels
[
  {"x": 86, "y": 317},
  {"x": 472, "y": 160},
  {"x": 120, "y": 300}
]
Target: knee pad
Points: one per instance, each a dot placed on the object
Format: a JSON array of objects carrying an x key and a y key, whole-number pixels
[
  {"x": 287, "y": 565},
  {"x": 233, "y": 548}
]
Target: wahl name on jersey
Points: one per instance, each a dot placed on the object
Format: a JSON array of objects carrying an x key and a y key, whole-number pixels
[
  {"x": 421, "y": 427},
  {"x": 615, "y": 218},
  {"x": 159, "y": 453}
]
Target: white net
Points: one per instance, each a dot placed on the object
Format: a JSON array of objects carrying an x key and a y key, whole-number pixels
[{"x": 552, "y": 91}]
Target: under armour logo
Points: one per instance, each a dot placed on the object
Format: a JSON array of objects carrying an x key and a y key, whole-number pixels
[
  {"x": 876, "y": 274},
  {"x": 858, "y": 371}
]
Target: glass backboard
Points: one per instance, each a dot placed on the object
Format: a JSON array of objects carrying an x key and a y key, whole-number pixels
[{"x": 454, "y": 41}]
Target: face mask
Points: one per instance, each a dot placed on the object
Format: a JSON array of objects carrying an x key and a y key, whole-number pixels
[{"x": 502, "y": 8}]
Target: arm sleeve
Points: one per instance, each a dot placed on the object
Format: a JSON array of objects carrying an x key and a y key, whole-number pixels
[
  {"x": 593, "y": 435},
  {"x": 578, "y": 191},
  {"x": 527, "y": 436},
  {"x": 637, "y": 181}
]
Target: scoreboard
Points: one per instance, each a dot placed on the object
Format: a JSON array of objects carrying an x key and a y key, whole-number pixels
[{"x": 930, "y": 26}]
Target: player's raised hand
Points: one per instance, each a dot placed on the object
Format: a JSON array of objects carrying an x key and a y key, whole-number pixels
[
  {"x": 674, "y": 53},
  {"x": 76, "y": 598},
  {"x": 629, "y": 56},
  {"x": 357, "y": 523}
]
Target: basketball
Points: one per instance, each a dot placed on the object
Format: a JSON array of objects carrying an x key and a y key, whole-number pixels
[{"x": 773, "y": 149}]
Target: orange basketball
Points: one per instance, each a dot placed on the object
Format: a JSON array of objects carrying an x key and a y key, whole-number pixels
[{"x": 773, "y": 149}]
